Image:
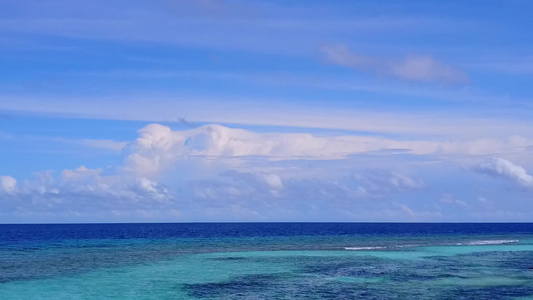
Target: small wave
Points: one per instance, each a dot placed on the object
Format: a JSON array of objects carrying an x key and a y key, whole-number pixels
[
  {"x": 363, "y": 248},
  {"x": 408, "y": 246},
  {"x": 488, "y": 242}
]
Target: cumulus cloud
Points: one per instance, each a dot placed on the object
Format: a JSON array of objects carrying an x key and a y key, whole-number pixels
[
  {"x": 82, "y": 190},
  {"x": 158, "y": 146},
  {"x": 499, "y": 167},
  {"x": 140, "y": 184},
  {"x": 418, "y": 68},
  {"x": 214, "y": 170}
]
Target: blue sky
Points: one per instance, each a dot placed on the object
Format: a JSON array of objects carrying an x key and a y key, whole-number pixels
[{"x": 212, "y": 110}]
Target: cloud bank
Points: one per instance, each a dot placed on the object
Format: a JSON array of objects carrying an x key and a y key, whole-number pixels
[
  {"x": 214, "y": 172},
  {"x": 159, "y": 146}
]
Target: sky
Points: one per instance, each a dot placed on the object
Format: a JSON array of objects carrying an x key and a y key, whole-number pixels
[{"x": 261, "y": 111}]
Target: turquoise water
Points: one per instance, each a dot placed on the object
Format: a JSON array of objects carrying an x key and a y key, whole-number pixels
[{"x": 361, "y": 265}]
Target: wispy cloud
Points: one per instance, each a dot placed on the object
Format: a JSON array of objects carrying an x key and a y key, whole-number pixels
[
  {"x": 251, "y": 26},
  {"x": 418, "y": 68},
  {"x": 271, "y": 112},
  {"x": 105, "y": 144},
  {"x": 101, "y": 144}
]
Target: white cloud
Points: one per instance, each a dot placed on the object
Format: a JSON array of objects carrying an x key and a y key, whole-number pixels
[
  {"x": 421, "y": 68},
  {"x": 83, "y": 191},
  {"x": 159, "y": 147},
  {"x": 218, "y": 172},
  {"x": 8, "y": 184},
  {"x": 499, "y": 167},
  {"x": 152, "y": 189}
]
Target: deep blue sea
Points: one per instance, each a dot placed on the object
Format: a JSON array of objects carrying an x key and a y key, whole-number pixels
[{"x": 267, "y": 261}]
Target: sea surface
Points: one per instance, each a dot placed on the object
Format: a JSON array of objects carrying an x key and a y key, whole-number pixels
[{"x": 267, "y": 261}]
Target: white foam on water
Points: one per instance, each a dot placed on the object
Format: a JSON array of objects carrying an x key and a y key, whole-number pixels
[
  {"x": 468, "y": 243},
  {"x": 408, "y": 246},
  {"x": 363, "y": 248},
  {"x": 488, "y": 242}
]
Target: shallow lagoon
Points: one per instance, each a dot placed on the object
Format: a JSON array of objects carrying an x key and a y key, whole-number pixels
[{"x": 286, "y": 261}]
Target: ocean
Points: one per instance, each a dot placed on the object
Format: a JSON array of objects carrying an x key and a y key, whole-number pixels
[{"x": 267, "y": 261}]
